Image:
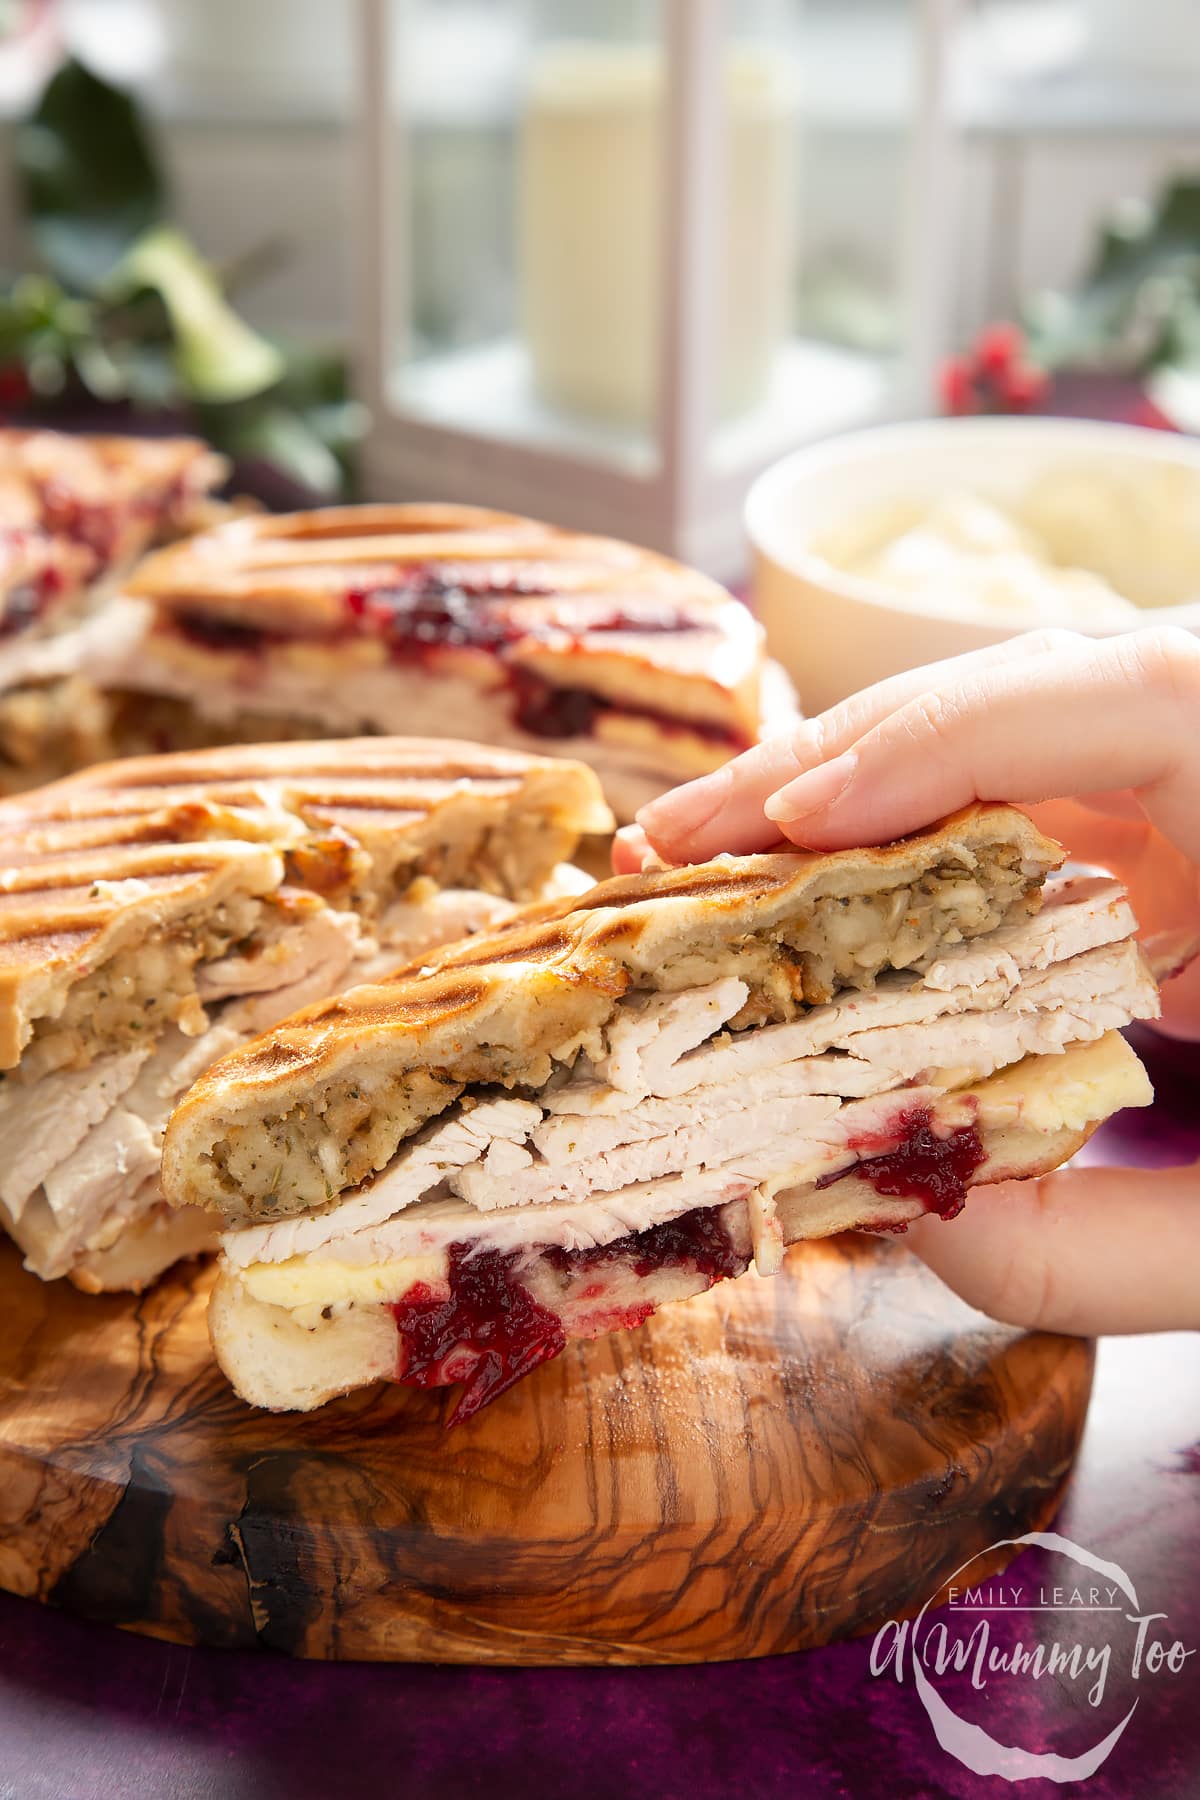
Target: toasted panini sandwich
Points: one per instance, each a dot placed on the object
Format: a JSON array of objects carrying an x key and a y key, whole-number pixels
[
  {"x": 75, "y": 513},
  {"x": 448, "y": 620},
  {"x": 158, "y": 912},
  {"x": 617, "y": 1101}
]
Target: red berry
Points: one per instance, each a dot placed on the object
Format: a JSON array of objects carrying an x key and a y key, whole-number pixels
[
  {"x": 956, "y": 388},
  {"x": 1022, "y": 387},
  {"x": 997, "y": 348}
]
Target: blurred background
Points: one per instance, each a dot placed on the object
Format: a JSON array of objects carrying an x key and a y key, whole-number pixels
[{"x": 602, "y": 260}]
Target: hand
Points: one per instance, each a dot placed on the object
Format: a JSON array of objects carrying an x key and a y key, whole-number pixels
[{"x": 1100, "y": 740}]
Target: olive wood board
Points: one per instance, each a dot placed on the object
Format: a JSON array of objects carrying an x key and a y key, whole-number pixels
[{"x": 771, "y": 1466}]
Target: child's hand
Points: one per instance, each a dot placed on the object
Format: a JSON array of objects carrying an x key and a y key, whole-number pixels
[{"x": 1101, "y": 739}]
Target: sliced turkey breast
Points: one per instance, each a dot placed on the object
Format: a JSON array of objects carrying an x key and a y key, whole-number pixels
[
  {"x": 705, "y": 1139},
  {"x": 42, "y": 1122},
  {"x": 448, "y": 1145},
  {"x": 281, "y": 960},
  {"x": 423, "y": 921},
  {"x": 1069, "y": 1003},
  {"x": 651, "y": 1033},
  {"x": 144, "y": 1246},
  {"x": 113, "y": 1172},
  {"x": 1078, "y": 913},
  {"x": 411, "y": 927},
  {"x": 319, "y": 963}
]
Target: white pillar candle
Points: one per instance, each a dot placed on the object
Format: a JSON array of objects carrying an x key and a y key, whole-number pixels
[{"x": 591, "y": 227}]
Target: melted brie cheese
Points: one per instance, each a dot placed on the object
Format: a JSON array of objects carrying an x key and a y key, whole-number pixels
[
  {"x": 1066, "y": 1092},
  {"x": 300, "y": 1282}
]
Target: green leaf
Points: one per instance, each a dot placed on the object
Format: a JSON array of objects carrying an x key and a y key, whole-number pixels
[
  {"x": 218, "y": 356},
  {"x": 89, "y": 179},
  {"x": 315, "y": 375},
  {"x": 1122, "y": 315}
]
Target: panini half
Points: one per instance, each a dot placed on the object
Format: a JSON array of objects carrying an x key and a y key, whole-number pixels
[
  {"x": 447, "y": 620},
  {"x": 76, "y": 512},
  {"x": 617, "y": 1101},
  {"x": 158, "y": 912}
]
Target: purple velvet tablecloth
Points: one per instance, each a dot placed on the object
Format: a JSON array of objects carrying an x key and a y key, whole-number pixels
[{"x": 87, "y": 1713}]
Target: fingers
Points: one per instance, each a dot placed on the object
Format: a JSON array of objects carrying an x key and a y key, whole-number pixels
[
  {"x": 1087, "y": 1251},
  {"x": 630, "y": 851},
  {"x": 724, "y": 811},
  {"x": 1121, "y": 713}
]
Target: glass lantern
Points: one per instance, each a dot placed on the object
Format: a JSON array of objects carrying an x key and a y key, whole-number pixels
[{"x": 618, "y": 255}]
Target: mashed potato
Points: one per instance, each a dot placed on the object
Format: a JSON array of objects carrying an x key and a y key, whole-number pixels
[{"x": 1086, "y": 548}]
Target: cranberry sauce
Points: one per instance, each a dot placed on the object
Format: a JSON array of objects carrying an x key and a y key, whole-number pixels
[
  {"x": 696, "y": 1239},
  {"x": 433, "y": 606},
  {"x": 427, "y": 609},
  {"x": 450, "y": 604},
  {"x": 548, "y": 711},
  {"x": 213, "y": 633},
  {"x": 95, "y": 523},
  {"x": 925, "y": 1167},
  {"x": 487, "y": 1333}
]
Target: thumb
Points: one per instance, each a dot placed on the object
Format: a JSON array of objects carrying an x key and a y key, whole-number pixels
[{"x": 1082, "y": 1250}]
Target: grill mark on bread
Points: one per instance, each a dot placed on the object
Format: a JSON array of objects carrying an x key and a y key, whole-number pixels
[
  {"x": 127, "y": 852},
  {"x": 388, "y": 759}
]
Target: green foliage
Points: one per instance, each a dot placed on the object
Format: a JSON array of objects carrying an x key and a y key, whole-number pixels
[
  {"x": 88, "y": 177},
  {"x": 217, "y": 355},
  {"x": 1137, "y": 309},
  {"x": 125, "y": 308}
]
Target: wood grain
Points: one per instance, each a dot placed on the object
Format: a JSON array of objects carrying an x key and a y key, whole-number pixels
[{"x": 769, "y": 1467}]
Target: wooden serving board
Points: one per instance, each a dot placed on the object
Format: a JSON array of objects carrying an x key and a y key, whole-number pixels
[{"x": 769, "y": 1467}]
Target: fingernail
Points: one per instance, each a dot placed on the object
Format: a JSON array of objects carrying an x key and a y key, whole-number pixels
[
  {"x": 687, "y": 808},
  {"x": 813, "y": 791}
]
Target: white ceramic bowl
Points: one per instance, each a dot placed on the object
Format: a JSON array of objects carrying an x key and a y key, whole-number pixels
[{"x": 835, "y": 632}]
